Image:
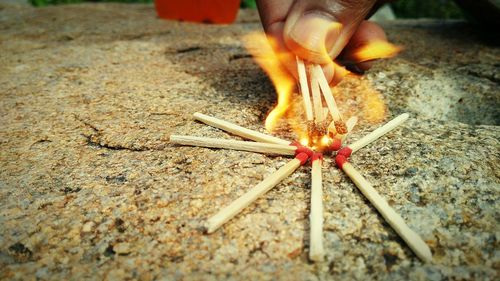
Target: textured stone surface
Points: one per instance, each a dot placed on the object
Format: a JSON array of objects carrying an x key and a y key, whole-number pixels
[{"x": 90, "y": 187}]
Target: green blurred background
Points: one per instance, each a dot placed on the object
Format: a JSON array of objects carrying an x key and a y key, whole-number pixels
[{"x": 445, "y": 9}]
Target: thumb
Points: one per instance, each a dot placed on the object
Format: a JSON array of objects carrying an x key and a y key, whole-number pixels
[{"x": 318, "y": 30}]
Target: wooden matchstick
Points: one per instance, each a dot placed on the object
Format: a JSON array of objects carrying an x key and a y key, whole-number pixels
[
  {"x": 371, "y": 137},
  {"x": 238, "y": 130},
  {"x": 304, "y": 88},
  {"x": 327, "y": 93},
  {"x": 316, "y": 251},
  {"x": 316, "y": 97},
  {"x": 351, "y": 123},
  {"x": 250, "y": 196},
  {"x": 412, "y": 239},
  {"x": 268, "y": 148},
  {"x": 326, "y": 111},
  {"x": 338, "y": 139}
]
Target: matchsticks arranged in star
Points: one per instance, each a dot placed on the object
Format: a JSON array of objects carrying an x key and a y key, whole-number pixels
[{"x": 272, "y": 145}]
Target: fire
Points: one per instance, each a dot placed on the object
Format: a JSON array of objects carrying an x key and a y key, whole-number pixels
[
  {"x": 357, "y": 97},
  {"x": 263, "y": 50},
  {"x": 373, "y": 50},
  {"x": 354, "y": 95}
]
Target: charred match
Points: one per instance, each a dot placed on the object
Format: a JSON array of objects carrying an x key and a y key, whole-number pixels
[{"x": 336, "y": 139}]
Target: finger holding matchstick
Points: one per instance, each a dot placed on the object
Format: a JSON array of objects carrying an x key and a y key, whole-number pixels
[
  {"x": 250, "y": 196},
  {"x": 316, "y": 250},
  {"x": 412, "y": 239}
]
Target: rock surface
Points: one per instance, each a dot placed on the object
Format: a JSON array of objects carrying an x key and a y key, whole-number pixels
[{"x": 90, "y": 188}]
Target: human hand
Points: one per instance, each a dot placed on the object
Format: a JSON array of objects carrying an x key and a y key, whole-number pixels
[{"x": 320, "y": 31}]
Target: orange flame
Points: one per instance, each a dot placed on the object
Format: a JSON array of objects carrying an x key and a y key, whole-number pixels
[
  {"x": 373, "y": 50},
  {"x": 354, "y": 95},
  {"x": 263, "y": 49}
]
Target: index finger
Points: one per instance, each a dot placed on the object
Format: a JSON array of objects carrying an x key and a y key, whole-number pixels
[{"x": 273, "y": 11}]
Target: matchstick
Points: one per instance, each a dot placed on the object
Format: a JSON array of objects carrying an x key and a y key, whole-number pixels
[
  {"x": 316, "y": 97},
  {"x": 238, "y": 130},
  {"x": 316, "y": 251},
  {"x": 304, "y": 88},
  {"x": 326, "y": 111},
  {"x": 267, "y": 148},
  {"x": 338, "y": 139},
  {"x": 327, "y": 93},
  {"x": 371, "y": 137},
  {"x": 350, "y": 124},
  {"x": 412, "y": 239},
  {"x": 250, "y": 196}
]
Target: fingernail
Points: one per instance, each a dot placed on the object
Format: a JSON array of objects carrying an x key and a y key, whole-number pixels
[{"x": 315, "y": 32}]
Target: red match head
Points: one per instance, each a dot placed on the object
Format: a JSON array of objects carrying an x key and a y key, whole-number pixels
[
  {"x": 340, "y": 160},
  {"x": 302, "y": 149},
  {"x": 317, "y": 156},
  {"x": 336, "y": 144},
  {"x": 302, "y": 157},
  {"x": 346, "y": 151}
]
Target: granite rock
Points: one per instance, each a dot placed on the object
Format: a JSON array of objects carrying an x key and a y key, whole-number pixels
[{"x": 90, "y": 188}]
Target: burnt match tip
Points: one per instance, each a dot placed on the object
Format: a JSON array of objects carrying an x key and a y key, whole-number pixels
[{"x": 340, "y": 160}]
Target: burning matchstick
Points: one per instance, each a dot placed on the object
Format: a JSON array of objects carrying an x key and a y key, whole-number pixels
[
  {"x": 340, "y": 126},
  {"x": 317, "y": 87},
  {"x": 316, "y": 97},
  {"x": 304, "y": 89}
]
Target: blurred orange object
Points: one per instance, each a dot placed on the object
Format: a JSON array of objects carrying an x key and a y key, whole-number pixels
[{"x": 207, "y": 11}]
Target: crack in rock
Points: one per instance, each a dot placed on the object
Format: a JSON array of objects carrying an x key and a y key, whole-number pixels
[{"x": 94, "y": 139}]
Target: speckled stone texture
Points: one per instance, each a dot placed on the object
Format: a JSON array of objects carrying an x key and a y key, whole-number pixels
[{"x": 90, "y": 188}]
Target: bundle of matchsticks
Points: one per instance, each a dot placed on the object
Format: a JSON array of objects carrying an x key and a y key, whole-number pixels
[
  {"x": 268, "y": 144},
  {"x": 316, "y": 88}
]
